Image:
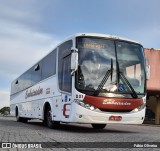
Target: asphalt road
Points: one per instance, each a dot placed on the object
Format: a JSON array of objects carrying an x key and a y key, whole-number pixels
[{"x": 114, "y": 136}]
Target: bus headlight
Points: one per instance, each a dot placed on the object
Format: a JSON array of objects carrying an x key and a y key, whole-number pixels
[
  {"x": 141, "y": 107},
  {"x": 85, "y": 105}
]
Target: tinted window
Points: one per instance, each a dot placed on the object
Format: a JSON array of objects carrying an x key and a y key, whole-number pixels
[
  {"x": 23, "y": 82},
  {"x": 14, "y": 86},
  {"x": 36, "y": 73},
  {"x": 42, "y": 70},
  {"x": 95, "y": 56},
  {"x": 64, "y": 50},
  {"x": 131, "y": 63},
  {"x": 66, "y": 76},
  {"x": 49, "y": 65}
]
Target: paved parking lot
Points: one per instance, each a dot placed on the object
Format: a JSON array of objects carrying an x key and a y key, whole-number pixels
[{"x": 35, "y": 132}]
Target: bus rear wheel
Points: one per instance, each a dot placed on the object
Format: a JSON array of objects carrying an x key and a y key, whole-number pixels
[
  {"x": 49, "y": 122},
  {"x": 99, "y": 126},
  {"x": 20, "y": 119}
]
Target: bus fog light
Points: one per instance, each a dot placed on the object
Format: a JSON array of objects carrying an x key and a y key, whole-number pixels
[
  {"x": 92, "y": 108},
  {"x": 81, "y": 104},
  {"x": 136, "y": 109},
  {"x": 87, "y": 106}
]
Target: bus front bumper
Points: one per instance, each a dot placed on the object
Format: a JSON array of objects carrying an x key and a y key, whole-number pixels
[{"x": 83, "y": 115}]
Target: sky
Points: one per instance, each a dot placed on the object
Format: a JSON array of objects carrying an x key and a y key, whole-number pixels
[{"x": 29, "y": 29}]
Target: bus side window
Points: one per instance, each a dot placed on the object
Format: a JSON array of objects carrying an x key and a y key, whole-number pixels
[
  {"x": 36, "y": 73},
  {"x": 49, "y": 65},
  {"x": 63, "y": 51},
  {"x": 66, "y": 74}
]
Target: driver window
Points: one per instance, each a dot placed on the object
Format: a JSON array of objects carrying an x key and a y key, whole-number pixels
[{"x": 66, "y": 74}]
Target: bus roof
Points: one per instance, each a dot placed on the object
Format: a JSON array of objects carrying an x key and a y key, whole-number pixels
[{"x": 105, "y": 36}]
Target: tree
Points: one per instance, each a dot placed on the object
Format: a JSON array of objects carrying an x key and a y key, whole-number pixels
[{"x": 4, "y": 110}]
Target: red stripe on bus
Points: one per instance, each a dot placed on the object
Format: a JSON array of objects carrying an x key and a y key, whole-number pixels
[{"x": 113, "y": 103}]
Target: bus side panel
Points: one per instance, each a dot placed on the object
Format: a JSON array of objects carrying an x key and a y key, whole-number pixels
[
  {"x": 12, "y": 109},
  {"x": 15, "y": 101},
  {"x": 56, "y": 108},
  {"x": 66, "y": 107},
  {"x": 31, "y": 102}
]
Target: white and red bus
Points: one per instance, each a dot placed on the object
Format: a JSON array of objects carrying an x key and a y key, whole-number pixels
[{"x": 89, "y": 78}]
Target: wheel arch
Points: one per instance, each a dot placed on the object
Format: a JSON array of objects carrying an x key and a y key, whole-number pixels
[
  {"x": 45, "y": 106},
  {"x": 16, "y": 110}
]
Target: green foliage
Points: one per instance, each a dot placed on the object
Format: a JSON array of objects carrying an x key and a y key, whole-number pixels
[{"x": 4, "y": 109}]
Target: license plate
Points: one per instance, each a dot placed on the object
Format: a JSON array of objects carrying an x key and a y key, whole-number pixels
[{"x": 115, "y": 118}]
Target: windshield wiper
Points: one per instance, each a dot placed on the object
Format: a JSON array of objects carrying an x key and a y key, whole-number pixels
[
  {"x": 121, "y": 76},
  {"x": 124, "y": 80},
  {"x": 104, "y": 80}
]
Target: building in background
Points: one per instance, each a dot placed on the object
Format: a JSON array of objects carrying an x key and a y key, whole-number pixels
[{"x": 153, "y": 86}]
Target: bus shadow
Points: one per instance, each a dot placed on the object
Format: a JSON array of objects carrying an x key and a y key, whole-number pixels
[
  {"x": 69, "y": 127},
  {"x": 81, "y": 128}
]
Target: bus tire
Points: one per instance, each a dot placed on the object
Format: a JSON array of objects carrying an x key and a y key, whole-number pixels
[
  {"x": 18, "y": 118},
  {"x": 49, "y": 122},
  {"x": 24, "y": 120},
  {"x": 98, "y": 126}
]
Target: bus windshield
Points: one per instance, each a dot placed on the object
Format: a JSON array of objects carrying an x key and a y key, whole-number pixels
[{"x": 123, "y": 62}]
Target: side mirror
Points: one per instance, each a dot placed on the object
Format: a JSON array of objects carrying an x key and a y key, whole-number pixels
[
  {"x": 147, "y": 69},
  {"x": 74, "y": 60}
]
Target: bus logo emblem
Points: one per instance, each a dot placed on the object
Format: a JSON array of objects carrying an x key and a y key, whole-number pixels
[
  {"x": 32, "y": 93},
  {"x": 113, "y": 102}
]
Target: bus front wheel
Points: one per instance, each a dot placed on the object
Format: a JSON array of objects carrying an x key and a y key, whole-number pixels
[
  {"x": 99, "y": 126},
  {"x": 49, "y": 122}
]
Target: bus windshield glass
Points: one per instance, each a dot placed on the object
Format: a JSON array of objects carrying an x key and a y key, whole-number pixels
[{"x": 109, "y": 66}]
